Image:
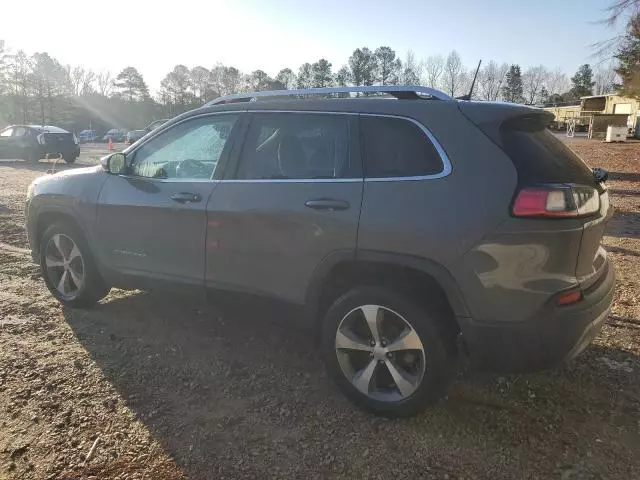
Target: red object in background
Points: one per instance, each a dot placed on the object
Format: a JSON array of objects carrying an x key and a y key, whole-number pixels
[{"x": 110, "y": 144}]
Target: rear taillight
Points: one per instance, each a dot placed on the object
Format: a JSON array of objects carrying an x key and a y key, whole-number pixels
[{"x": 556, "y": 201}]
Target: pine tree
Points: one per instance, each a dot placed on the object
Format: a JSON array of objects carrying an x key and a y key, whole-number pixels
[
  {"x": 629, "y": 57},
  {"x": 583, "y": 82},
  {"x": 512, "y": 91},
  {"x": 130, "y": 85},
  {"x": 321, "y": 75}
]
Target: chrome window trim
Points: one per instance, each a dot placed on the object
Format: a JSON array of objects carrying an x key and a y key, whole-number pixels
[
  {"x": 178, "y": 180},
  {"x": 444, "y": 158}
]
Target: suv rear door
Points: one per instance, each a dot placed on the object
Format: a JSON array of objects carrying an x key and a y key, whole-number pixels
[{"x": 290, "y": 200}]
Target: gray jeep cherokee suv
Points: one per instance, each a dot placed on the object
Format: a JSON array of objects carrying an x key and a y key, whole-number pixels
[{"x": 409, "y": 229}]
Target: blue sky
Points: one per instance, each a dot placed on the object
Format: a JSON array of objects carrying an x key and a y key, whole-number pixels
[{"x": 272, "y": 34}]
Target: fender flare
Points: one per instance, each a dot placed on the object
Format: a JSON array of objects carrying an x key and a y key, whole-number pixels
[{"x": 432, "y": 268}]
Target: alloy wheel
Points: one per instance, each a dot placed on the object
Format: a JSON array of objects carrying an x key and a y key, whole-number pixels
[
  {"x": 64, "y": 265},
  {"x": 380, "y": 353}
]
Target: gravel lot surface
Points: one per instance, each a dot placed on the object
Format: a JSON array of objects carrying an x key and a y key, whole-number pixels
[{"x": 174, "y": 388}]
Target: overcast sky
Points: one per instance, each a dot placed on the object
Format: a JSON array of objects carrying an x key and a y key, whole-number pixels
[{"x": 273, "y": 34}]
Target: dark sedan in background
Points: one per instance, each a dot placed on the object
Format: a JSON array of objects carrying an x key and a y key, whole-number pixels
[{"x": 33, "y": 142}]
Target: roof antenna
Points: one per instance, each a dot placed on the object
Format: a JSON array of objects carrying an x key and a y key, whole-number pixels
[{"x": 473, "y": 83}]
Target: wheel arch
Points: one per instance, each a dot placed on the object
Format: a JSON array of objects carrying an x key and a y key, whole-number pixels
[
  {"x": 418, "y": 275},
  {"x": 47, "y": 218}
]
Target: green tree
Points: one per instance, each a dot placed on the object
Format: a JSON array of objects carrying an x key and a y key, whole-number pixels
[
  {"x": 321, "y": 75},
  {"x": 628, "y": 56},
  {"x": 512, "y": 90},
  {"x": 362, "y": 63},
  {"x": 287, "y": 78},
  {"x": 201, "y": 84},
  {"x": 583, "y": 82},
  {"x": 305, "y": 76},
  {"x": 175, "y": 88},
  {"x": 343, "y": 76},
  {"x": 130, "y": 85},
  {"x": 231, "y": 80},
  {"x": 388, "y": 66}
]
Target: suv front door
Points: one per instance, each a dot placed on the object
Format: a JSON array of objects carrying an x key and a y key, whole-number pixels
[
  {"x": 152, "y": 220},
  {"x": 291, "y": 200}
]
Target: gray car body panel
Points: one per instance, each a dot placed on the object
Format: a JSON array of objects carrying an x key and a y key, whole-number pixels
[{"x": 259, "y": 236}]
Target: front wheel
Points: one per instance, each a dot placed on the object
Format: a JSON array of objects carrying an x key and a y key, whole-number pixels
[
  {"x": 69, "y": 158},
  {"x": 68, "y": 267},
  {"x": 388, "y": 354}
]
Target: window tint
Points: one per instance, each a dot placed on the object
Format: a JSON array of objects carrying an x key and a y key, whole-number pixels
[
  {"x": 296, "y": 145},
  {"x": 7, "y": 132},
  {"x": 394, "y": 147},
  {"x": 190, "y": 150},
  {"x": 540, "y": 157},
  {"x": 19, "y": 131}
]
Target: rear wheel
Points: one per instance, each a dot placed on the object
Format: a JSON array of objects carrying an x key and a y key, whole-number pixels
[
  {"x": 68, "y": 267},
  {"x": 32, "y": 156},
  {"x": 388, "y": 354}
]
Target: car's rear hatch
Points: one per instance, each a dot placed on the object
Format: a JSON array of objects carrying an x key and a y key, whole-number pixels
[
  {"x": 57, "y": 142},
  {"x": 543, "y": 161}
]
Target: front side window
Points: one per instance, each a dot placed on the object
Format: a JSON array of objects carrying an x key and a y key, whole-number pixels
[
  {"x": 395, "y": 147},
  {"x": 190, "y": 150},
  {"x": 19, "y": 131},
  {"x": 296, "y": 146}
]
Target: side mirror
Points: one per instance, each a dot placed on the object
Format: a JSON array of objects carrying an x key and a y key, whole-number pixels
[{"x": 115, "y": 164}]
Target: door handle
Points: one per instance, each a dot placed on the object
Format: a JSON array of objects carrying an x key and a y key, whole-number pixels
[
  {"x": 327, "y": 204},
  {"x": 185, "y": 197}
]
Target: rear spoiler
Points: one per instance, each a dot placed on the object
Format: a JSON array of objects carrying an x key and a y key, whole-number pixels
[{"x": 482, "y": 113}]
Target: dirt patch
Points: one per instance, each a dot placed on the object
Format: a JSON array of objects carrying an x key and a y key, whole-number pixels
[{"x": 178, "y": 387}]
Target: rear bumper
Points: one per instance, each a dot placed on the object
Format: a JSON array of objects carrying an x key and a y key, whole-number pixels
[
  {"x": 554, "y": 335},
  {"x": 64, "y": 150}
]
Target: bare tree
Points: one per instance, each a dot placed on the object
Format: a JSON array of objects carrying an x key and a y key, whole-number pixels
[
  {"x": 104, "y": 83},
  {"x": 533, "y": 80},
  {"x": 411, "y": 70},
  {"x": 558, "y": 82},
  {"x": 453, "y": 74},
  {"x": 605, "y": 77},
  {"x": 490, "y": 80},
  {"x": 433, "y": 68}
]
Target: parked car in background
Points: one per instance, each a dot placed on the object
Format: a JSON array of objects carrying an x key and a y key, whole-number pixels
[
  {"x": 155, "y": 124},
  {"x": 404, "y": 229},
  {"x": 134, "y": 135},
  {"x": 115, "y": 134},
  {"x": 33, "y": 142},
  {"x": 86, "y": 136}
]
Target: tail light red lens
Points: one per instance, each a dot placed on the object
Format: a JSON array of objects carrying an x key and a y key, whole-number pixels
[{"x": 556, "y": 201}]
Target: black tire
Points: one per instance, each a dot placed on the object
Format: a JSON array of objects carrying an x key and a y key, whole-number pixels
[
  {"x": 93, "y": 288},
  {"x": 32, "y": 156},
  {"x": 437, "y": 340},
  {"x": 69, "y": 159}
]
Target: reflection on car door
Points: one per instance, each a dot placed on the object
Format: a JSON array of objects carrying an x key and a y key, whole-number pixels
[
  {"x": 152, "y": 221},
  {"x": 292, "y": 199}
]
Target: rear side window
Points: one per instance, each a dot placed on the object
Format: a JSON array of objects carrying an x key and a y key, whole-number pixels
[
  {"x": 296, "y": 146},
  {"x": 395, "y": 147},
  {"x": 539, "y": 156}
]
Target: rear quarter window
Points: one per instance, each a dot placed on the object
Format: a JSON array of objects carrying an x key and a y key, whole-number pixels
[
  {"x": 396, "y": 147},
  {"x": 539, "y": 156}
]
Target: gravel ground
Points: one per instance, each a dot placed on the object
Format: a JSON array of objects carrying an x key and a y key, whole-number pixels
[{"x": 174, "y": 388}]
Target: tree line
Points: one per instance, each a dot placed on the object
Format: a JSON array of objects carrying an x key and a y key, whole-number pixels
[{"x": 39, "y": 89}]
